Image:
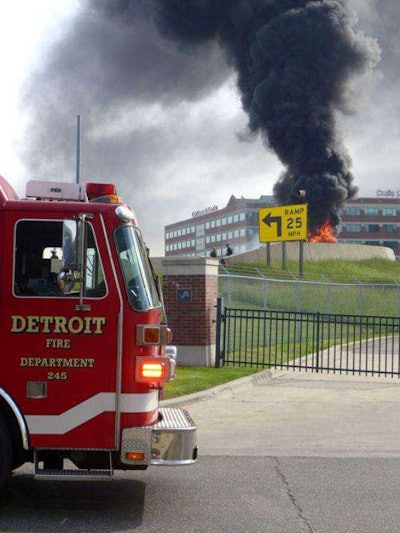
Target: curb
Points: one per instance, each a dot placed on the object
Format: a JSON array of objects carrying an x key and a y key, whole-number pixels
[{"x": 257, "y": 379}]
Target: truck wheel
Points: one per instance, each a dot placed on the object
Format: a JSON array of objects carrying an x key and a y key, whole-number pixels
[{"x": 5, "y": 452}]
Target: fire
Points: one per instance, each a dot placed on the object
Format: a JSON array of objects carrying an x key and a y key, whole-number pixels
[{"x": 324, "y": 233}]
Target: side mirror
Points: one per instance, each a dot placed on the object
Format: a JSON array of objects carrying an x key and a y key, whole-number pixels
[{"x": 69, "y": 280}]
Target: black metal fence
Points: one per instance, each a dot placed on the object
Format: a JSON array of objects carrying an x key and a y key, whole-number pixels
[{"x": 346, "y": 344}]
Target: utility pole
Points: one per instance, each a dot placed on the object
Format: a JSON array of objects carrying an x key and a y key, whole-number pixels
[{"x": 78, "y": 148}]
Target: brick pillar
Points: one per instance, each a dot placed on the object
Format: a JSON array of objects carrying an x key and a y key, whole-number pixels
[{"x": 190, "y": 287}]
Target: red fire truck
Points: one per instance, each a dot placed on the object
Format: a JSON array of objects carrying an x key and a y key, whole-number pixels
[{"x": 85, "y": 348}]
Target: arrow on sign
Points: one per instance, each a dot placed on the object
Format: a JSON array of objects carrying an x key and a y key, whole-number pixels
[{"x": 268, "y": 220}]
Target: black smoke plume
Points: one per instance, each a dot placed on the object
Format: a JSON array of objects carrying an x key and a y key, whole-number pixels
[
  {"x": 294, "y": 61},
  {"x": 132, "y": 68}
]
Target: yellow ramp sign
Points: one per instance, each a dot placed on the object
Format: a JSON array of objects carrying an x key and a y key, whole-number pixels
[{"x": 283, "y": 223}]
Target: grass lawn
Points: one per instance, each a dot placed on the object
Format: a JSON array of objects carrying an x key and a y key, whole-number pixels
[
  {"x": 345, "y": 300},
  {"x": 191, "y": 379}
]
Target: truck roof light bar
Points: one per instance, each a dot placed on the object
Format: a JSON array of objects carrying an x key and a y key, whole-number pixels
[
  {"x": 102, "y": 192},
  {"x": 54, "y": 190}
]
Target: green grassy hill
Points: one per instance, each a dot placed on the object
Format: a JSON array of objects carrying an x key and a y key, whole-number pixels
[
  {"x": 370, "y": 287},
  {"x": 365, "y": 271}
]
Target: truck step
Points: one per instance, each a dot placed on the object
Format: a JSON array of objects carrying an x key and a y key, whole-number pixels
[
  {"x": 66, "y": 471},
  {"x": 174, "y": 419},
  {"x": 73, "y": 475}
]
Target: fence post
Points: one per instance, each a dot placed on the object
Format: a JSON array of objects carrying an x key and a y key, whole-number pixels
[
  {"x": 328, "y": 293},
  {"x": 229, "y": 291},
  {"x": 361, "y": 298},
  {"x": 317, "y": 342},
  {"x": 265, "y": 288},
  {"x": 265, "y": 294},
  {"x": 298, "y": 297},
  {"x": 218, "y": 350},
  {"x": 398, "y": 298}
]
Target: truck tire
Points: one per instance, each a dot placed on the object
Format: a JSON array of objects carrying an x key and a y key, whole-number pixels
[{"x": 5, "y": 452}]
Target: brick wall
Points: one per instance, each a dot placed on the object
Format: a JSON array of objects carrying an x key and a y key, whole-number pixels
[{"x": 190, "y": 305}]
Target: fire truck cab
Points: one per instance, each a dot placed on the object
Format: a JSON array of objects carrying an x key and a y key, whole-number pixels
[{"x": 85, "y": 345}]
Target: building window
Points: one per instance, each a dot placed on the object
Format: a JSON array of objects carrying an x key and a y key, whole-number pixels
[
  {"x": 236, "y": 218},
  {"x": 371, "y": 211},
  {"x": 390, "y": 244},
  {"x": 389, "y": 228},
  {"x": 372, "y": 228},
  {"x": 242, "y": 216},
  {"x": 200, "y": 245},
  {"x": 200, "y": 230},
  {"x": 353, "y": 211},
  {"x": 224, "y": 221},
  {"x": 207, "y": 225},
  {"x": 388, "y": 211},
  {"x": 353, "y": 228},
  {"x": 230, "y": 219},
  {"x": 372, "y": 243},
  {"x": 218, "y": 222}
]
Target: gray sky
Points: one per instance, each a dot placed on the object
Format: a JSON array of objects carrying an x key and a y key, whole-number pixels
[{"x": 163, "y": 123}]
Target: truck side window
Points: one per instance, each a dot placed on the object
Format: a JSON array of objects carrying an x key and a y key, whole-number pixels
[
  {"x": 39, "y": 259},
  {"x": 138, "y": 277},
  {"x": 95, "y": 286}
]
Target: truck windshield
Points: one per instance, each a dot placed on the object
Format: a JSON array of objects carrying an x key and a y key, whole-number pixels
[{"x": 136, "y": 269}]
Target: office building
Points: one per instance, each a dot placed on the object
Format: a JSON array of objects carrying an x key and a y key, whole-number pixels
[
  {"x": 373, "y": 221},
  {"x": 236, "y": 224}
]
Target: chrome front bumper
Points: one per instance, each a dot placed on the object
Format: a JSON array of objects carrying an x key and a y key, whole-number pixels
[{"x": 172, "y": 441}]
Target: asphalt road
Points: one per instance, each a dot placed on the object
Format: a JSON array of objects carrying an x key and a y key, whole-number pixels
[{"x": 292, "y": 454}]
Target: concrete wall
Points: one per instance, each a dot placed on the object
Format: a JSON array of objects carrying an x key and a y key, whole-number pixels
[{"x": 315, "y": 251}]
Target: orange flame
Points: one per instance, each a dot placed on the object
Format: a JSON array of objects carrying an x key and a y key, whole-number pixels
[{"x": 324, "y": 233}]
